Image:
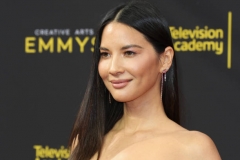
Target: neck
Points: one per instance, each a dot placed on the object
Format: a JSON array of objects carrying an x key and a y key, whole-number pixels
[{"x": 142, "y": 115}]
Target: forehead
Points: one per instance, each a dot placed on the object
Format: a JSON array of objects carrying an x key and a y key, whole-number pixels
[{"x": 116, "y": 32}]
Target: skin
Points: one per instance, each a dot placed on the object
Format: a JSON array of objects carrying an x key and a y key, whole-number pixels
[{"x": 131, "y": 70}]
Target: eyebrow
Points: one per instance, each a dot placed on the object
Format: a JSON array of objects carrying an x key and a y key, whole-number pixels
[{"x": 123, "y": 48}]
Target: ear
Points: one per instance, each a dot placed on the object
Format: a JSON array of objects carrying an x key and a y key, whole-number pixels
[{"x": 166, "y": 59}]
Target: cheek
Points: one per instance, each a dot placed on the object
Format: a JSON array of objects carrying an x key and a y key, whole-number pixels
[
  {"x": 145, "y": 67},
  {"x": 102, "y": 70}
]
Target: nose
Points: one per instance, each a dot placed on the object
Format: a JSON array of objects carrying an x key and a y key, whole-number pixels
[{"x": 116, "y": 65}]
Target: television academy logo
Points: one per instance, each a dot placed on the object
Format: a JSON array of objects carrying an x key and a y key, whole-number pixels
[
  {"x": 49, "y": 153},
  {"x": 203, "y": 39}
]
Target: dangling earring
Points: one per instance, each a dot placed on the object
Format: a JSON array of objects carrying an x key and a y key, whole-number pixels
[
  {"x": 164, "y": 78},
  {"x": 109, "y": 98},
  {"x": 162, "y": 85}
]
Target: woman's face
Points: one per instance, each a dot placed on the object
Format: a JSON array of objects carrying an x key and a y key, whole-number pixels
[{"x": 129, "y": 66}]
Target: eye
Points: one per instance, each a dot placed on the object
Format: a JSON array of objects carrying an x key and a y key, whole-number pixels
[
  {"x": 129, "y": 53},
  {"x": 104, "y": 55}
]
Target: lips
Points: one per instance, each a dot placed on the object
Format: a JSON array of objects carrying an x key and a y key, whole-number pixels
[{"x": 118, "y": 84}]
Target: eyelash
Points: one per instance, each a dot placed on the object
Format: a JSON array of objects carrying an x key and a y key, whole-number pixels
[
  {"x": 127, "y": 54},
  {"x": 104, "y": 54}
]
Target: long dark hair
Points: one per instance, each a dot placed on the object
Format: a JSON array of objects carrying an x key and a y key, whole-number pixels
[{"x": 97, "y": 116}]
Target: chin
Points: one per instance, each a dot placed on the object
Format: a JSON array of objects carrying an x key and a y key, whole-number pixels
[{"x": 122, "y": 98}]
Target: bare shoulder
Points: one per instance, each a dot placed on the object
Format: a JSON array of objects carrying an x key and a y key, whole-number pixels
[{"x": 199, "y": 145}]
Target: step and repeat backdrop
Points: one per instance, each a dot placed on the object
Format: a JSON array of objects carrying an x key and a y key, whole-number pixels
[{"x": 45, "y": 56}]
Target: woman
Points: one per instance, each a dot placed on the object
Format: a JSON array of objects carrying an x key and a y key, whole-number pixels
[{"x": 130, "y": 109}]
